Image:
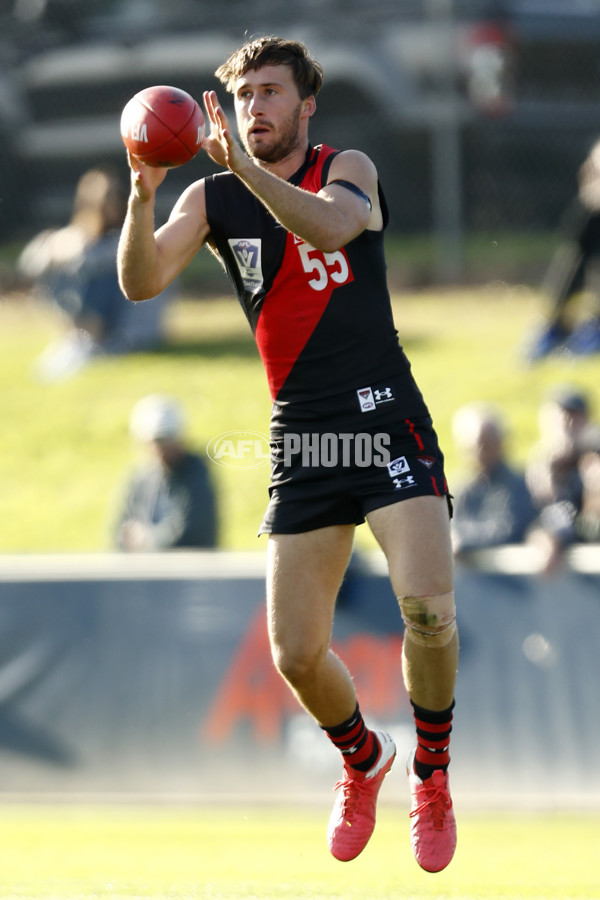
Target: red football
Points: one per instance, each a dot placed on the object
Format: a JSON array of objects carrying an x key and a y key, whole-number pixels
[{"x": 162, "y": 126}]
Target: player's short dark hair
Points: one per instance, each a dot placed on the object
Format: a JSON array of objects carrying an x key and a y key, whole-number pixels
[{"x": 274, "y": 51}]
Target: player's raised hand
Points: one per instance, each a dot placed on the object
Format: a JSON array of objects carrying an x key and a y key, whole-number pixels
[
  {"x": 145, "y": 179},
  {"x": 220, "y": 144}
]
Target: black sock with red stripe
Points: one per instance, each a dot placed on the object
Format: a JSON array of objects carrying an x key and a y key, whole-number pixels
[
  {"x": 359, "y": 746},
  {"x": 433, "y": 740}
]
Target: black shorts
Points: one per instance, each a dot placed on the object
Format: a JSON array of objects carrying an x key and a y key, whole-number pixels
[{"x": 335, "y": 471}]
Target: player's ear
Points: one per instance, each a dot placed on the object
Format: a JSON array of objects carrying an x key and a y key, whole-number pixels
[{"x": 309, "y": 106}]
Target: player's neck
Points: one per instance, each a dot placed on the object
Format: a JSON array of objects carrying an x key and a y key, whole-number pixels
[{"x": 286, "y": 167}]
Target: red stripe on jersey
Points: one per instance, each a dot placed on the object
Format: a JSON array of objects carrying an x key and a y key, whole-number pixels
[
  {"x": 293, "y": 307},
  {"x": 299, "y": 295}
]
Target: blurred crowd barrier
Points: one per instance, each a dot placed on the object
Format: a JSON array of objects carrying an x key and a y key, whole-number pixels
[{"x": 145, "y": 675}]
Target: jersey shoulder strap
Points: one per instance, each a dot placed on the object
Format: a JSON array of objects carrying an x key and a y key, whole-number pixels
[{"x": 312, "y": 175}]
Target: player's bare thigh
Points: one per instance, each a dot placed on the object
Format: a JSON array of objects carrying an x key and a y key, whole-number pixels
[
  {"x": 304, "y": 575},
  {"x": 415, "y": 537}
]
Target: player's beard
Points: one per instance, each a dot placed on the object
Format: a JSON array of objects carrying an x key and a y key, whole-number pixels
[{"x": 286, "y": 140}]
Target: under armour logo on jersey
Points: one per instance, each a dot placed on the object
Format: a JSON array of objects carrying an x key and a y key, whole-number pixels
[
  {"x": 369, "y": 398},
  {"x": 401, "y": 483}
]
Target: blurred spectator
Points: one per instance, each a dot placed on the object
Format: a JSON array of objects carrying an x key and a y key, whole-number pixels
[
  {"x": 575, "y": 269},
  {"x": 75, "y": 268},
  {"x": 169, "y": 500},
  {"x": 587, "y": 523},
  {"x": 553, "y": 474},
  {"x": 494, "y": 506}
]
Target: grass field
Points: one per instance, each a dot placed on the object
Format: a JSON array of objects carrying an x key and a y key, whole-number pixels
[
  {"x": 66, "y": 446},
  {"x": 72, "y": 853}
]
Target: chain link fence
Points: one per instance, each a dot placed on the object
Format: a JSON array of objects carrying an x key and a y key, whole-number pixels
[{"x": 478, "y": 114}]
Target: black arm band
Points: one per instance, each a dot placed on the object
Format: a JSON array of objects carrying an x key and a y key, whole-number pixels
[{"x": 354, "y": 188}]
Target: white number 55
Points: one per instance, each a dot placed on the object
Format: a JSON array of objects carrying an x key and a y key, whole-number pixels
[{"x": 325, "y": 266}]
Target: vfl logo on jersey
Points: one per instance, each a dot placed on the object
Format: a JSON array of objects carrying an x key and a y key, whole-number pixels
[
  {"x": 247, "y": 253},
  {"x": 366, "y": 399},
  {"x": 398, "y": 466}
]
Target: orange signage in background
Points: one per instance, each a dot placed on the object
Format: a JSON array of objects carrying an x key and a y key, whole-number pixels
[{"x": 254, "y": 694}]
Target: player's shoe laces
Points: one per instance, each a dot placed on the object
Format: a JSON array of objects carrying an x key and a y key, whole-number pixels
[
  {"x": 352, "y": 819},
  {"x": 433, "y": 826}
]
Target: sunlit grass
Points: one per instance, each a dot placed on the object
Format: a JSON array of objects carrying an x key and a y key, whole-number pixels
[
  {"x": 74, "y": 853},
  {"x": 66, "y": 445}
]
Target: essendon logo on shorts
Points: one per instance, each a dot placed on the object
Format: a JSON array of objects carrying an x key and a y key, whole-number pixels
[{"x": 427, "y": 461}]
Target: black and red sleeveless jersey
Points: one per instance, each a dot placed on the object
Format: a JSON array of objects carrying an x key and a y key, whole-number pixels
[{"x": 322, "y": 321}]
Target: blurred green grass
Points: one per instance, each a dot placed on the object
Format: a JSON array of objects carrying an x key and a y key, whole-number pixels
[
  {"x": 250, "y": 853},
  {"x": 66, "y": 445}
]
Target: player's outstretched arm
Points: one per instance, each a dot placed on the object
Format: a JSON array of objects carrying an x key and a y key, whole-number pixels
[
  {"x": 327, "y": 220},
  {"x": 137, "y": 260},
  {"x": 149, "y": 261}
]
